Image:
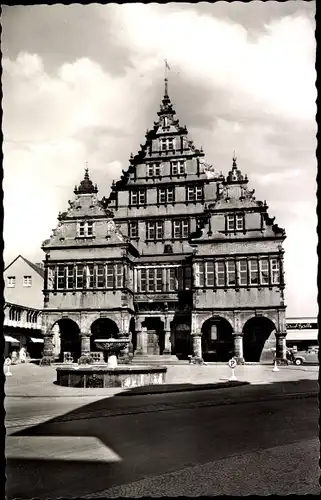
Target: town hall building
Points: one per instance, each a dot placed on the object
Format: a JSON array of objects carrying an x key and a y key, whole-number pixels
[{"x": 179, "y": 258}]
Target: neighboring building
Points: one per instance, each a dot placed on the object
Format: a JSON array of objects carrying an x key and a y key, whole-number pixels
[
  {"x": 23, "y": 293},
  {"x": 302, "y": 332},
  {"x": 180, "y": 258},
  {"x": 23, "y": 283}
]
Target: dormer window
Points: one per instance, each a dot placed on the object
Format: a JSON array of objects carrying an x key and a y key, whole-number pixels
[
  {"x": 85, "y": 229},
  {"x": 178, "y": 167},
  {"x": 153, "y": 170},
  {"x": 138, "y": 197},
  {"x": 235, "y": 222},
  {"x": 167, "y": 144}
]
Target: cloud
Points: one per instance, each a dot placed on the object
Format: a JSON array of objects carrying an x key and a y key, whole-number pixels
[{"x": 88, "y": 90}]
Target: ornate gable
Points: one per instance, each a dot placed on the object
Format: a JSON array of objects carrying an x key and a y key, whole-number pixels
[{"x": 85, "y": 211}]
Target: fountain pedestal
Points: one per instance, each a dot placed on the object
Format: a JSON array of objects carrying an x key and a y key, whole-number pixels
[
  {"x": 110, "y": 374},
  {"x": 112, "y": 361}
]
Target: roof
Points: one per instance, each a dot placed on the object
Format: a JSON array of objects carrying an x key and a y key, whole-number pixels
[{"x": 36, "y": 268}]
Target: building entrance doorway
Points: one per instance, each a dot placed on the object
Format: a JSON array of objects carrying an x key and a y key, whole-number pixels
[
  {"x": 217, "y": 340},
  {"x": 256, "y": 332},
  {"x": 69, "y": 339},
  {"x": 155, "y": 336},
  {"x": 182, "y": 339}
]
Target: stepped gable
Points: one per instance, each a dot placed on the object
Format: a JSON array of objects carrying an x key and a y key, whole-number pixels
[{"x": 167, "y": 125}]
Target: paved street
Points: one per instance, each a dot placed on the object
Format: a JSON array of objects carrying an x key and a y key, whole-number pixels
[{"x": 257, "y": 438}]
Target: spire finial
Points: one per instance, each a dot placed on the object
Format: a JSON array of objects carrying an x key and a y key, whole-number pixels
[
  {"x": 167, "y": 68},
  {"x": 234, "y": 159}
]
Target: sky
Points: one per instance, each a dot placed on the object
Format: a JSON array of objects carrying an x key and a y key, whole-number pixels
[{"x": 84, "y": 83}]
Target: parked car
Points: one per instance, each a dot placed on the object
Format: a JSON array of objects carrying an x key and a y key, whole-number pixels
[{"x": 310, "y": 356}]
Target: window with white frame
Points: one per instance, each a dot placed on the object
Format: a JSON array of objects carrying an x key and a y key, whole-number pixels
[
  {"x": 180, "y": 228},
  {"x": 178, "y": 167},
  {"x": 133, "y": 229},
  {"x": 235, "y": 222},
  {"x": 220, "y": 273},
  {"x": 138, "y": 197},
  {"x": 242, "y": 272},
  {"x": 166, "y": 195},
  {"x": 51, "y": 277},
  {"x": 110, "y": 276},
  {"x": 153, "y": 170},
  {"x": 27, "y": 281},
  {"x": 209, "y": 273},
  {"x": 11, "y": 281},
  {"x": 199, "y": 274},
  {"x": 239, "y": 222},
  {"x": 159, "y": 279},
  {"x": 230, "y": 273},
  {"x": 80, "y": 275},
  {"x": 254, "y": 271},
  {"x": 275, "y": 271},
  {"x": 264, "y": 271},
  {"x": 61, "y": 281},
  {"x": 194, "y": 193},
  {"x": 90, "y": 276},
  {"x": 172, "y": 279},
  {"x": 155, "y": 230},
  {"x": 100, "y": 276},
  {"x": 167, "y": 143},
  {"x": 142, "y": 280},
  {"x": 119, "y": 275},
  {"x": 70, "y": 277},
  {"x": 85, "y": 229}
]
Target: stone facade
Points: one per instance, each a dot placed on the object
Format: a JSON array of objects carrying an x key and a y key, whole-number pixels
[{"x": 180, "y": 258}]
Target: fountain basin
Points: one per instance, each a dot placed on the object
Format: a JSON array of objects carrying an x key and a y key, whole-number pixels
[{"x": 101, "y": 376}]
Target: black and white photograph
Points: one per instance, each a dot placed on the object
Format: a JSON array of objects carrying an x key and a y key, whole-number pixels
[{"x": 160, "y": 323}]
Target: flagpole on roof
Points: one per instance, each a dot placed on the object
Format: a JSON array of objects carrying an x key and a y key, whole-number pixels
[{"x": 167, "y": 68}]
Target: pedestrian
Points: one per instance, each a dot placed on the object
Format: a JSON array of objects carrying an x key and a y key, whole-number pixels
[
  {"x": 7, "y": 364},
  {"x": 14, "y": 357},
  {"x": 22, "y": 355}
]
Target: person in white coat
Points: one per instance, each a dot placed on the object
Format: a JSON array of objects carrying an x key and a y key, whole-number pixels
[{"x": 22, "y": 355}]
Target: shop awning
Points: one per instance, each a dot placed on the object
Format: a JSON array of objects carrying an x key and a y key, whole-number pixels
[
  {"x": 33, "y": 339},
  {"x": 302, "y": 335},
  {"x": 8, "y": 338}
]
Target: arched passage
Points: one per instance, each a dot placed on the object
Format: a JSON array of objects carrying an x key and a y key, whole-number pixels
[
  {"x": 181, "y": 338},
  {"x": 69, "y": 339},
  {"x": 256, "y": 332},
  {"x": 102, "y": 328},
  {"x": 217, "y": 340}
]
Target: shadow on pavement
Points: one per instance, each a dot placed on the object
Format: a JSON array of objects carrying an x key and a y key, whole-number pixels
[{"x": 159, "y": 433}]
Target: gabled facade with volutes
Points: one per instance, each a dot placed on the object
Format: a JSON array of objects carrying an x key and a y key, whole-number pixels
[{"x": 201, "y": 260}]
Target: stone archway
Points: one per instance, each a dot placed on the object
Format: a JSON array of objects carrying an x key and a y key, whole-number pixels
[
  {"x": 182, "y": 341},
  {"x": 102, "y": 328},
  {"x": 256, "y": 333},
  {"x": 70, "y": 341},
  {"x": 217, "y": 339}
]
